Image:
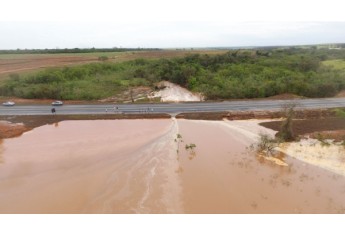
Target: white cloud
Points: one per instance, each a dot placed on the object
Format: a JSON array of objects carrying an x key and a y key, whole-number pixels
[
  {"x": 172, "y": 10},
  {"x": 168, "y": 23},
  {"x": 166, "y": 34}
]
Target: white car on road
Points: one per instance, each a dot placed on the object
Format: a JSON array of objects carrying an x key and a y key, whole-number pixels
[
  {"x": 8, "y": 103},
  {"x": 57, "y": 103}
]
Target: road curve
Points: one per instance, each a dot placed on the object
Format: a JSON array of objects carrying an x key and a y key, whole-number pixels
[{"x": 173, "y": 108}]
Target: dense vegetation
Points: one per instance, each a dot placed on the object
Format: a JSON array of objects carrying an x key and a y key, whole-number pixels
[{"x": 234, "y": 74}]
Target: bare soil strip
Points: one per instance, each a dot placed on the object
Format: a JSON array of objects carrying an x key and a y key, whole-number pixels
[{"x": 313, "y": 126}]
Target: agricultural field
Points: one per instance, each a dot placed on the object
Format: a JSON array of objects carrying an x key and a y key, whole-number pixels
[{"x": 23, "y": 63}]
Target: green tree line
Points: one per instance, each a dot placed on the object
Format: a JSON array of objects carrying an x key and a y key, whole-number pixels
[{"x": 234, "y": 74}]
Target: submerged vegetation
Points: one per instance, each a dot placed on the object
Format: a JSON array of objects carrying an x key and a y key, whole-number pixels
[
  {"x": 265, "y": 145},
  {"x": 235, "y": 74}
]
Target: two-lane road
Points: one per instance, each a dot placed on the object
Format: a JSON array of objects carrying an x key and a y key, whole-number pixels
[{"x": 172, "y": 108}]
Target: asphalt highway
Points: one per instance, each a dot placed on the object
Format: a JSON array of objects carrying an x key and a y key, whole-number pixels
[{"x": 172, "y": 108}]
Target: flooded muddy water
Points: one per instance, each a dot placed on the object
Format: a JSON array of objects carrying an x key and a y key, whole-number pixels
[
  {"x": 143, "y": 166},
  {"x": 224, "y": 177},
  {"x": 90, "y": 167}
]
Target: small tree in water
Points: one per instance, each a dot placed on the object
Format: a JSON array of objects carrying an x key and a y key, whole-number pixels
[
  {"x": 266, "y": 144},
  {"x": 191, "y": 147},
  {"x": 286, "y": 132}
]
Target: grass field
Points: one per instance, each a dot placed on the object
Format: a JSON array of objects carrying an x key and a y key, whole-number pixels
[{"x": 336, "y": 64}]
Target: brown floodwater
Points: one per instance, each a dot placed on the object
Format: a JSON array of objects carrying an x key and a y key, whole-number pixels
[
  {"x": 90, "y": 167},
  {"x": 224, "y": 177},
  {"x": 140, "y": 166}
]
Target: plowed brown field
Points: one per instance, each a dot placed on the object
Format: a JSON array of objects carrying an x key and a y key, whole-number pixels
[{"x": 18, "y": 63}]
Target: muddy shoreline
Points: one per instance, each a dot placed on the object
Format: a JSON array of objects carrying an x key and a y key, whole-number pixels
[{"x": 315, "y": 120}]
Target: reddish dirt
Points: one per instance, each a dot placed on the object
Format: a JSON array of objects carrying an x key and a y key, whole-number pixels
[
  {"x": 284, "y": 96},
  {"x": 244, "y": 115},
  {"x": 341, "y": 94},
  {"x": 331, "y": 127},
  {"x": 337, "y": 135},
  {"x": 16, "y": 65},
  {"x": 11, "y": 130}
]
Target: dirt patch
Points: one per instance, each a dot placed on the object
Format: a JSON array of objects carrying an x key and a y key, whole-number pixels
[
  {"x": 17, "y": 65},
  {"x": 8, "y": 129},
  {"x": 336, "y": 135},
  {"x": 245, "y": 115},
  {"x": 285, "y": 96},
  {"x": 333, "y": 125},
  {"x": 341, "y": 94}
]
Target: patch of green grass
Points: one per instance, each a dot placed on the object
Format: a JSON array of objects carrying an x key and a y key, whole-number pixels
[
  {"x": 340, "y": 112},
  {"x": 335, "y": 64}
]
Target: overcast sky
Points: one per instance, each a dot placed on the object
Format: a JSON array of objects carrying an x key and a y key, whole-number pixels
[{"x": 169, "y": 23}]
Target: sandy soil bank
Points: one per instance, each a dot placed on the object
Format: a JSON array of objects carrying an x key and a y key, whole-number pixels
[
  {"x": 328, "y": 154},
  {"x": 175, "y": 93}
]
